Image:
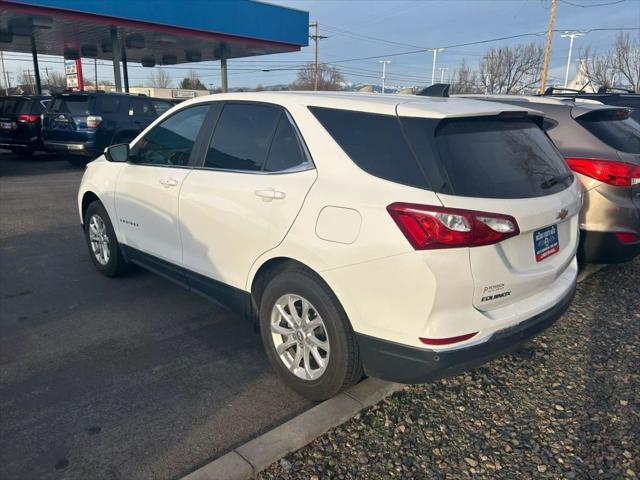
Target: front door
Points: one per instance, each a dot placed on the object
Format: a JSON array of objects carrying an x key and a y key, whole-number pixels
[{"x": 149, "y": 185}]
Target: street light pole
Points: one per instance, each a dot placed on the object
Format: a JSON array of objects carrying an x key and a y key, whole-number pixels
[
  {"x": 442, "y": 70},
  {"x": 571, "y": 36},
  {"x": 384, "y": 71},
  {"x": 433, "y": 67}
]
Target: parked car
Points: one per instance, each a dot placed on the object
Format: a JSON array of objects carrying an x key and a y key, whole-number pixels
[
  {"x": 609, "y": 96},
  {"x": 82, "y": 124},
  {"x": 408, "y": 237},
  {"x": 20, "y": 125},
  {"x": 602, "y": 145}
]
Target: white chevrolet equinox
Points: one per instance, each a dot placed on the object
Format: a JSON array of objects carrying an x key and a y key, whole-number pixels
[{"x": 406, "y": 238}]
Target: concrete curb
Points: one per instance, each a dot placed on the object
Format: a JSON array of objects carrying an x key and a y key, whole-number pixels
[{"x": 246, "y": 461}]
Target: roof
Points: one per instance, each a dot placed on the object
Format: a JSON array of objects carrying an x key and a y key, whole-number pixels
[
  {"x": 405, "y": 105},
  {"x": 164, "y": 30}
]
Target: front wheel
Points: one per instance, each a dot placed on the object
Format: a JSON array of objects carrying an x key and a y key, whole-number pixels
[
  {"x": 102, "y": 243},
  {"x": 307, "y": 335}
]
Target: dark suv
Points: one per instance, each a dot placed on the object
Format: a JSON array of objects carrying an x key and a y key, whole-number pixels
[
  {"x": 84, "y": 124},
  {"x": 20, "y": 123}
]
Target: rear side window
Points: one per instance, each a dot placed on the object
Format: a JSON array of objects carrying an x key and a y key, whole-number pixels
[
  {"x": 613, "y": 127},
  {"x": 72, "y": 104},
  {"x": 373, "y": 142},
  {"x": 242, "y": 137},
  {"x": 491, "y": 158},
  {"x": 141, "y": 107},
  {"x": 108, "y": 104}
]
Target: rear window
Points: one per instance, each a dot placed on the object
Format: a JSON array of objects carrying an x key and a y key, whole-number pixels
[
  {"x": 72, "y": 104},
  {"x": 489, "y": 157},
  {"x": 15, "y": 105},
  {"x": 613, "y": 127}
]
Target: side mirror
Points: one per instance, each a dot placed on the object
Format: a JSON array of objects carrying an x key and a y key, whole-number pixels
[{"x": 117, "y": 153}]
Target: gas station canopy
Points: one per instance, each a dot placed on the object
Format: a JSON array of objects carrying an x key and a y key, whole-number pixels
[{"x": 151, "y": 32}]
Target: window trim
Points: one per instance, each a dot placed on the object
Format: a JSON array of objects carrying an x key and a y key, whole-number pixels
[
  {"x": 308, "y": 164},
  {"x": 196, "y": 144}
]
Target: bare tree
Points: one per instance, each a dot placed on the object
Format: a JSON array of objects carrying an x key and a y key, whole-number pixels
[
  {"x": 56, "y": 81},
  {"x": 26, "y": 82},
  {"x": 511, "y": 69},
  {"x": 192, "y": 82},
  {"x": 464, "y": 80},
  {"x": 597, "y": 68},
  {"x": 329, "y": 78},
  {"x": 626, "y": 59},
  {"x": 159, "y": 79}
]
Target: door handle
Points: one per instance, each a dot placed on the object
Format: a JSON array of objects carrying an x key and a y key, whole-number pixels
[
  {"x": 168, "y": 182},
  {"x": 269, "y": 194}
]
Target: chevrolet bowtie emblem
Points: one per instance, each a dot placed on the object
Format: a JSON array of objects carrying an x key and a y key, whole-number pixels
[{"x": 562, "y": 214}]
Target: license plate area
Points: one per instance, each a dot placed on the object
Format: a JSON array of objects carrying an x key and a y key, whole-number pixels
[
  {"x": 545, "y": 242},
  {"x": 6, "y": 125}
]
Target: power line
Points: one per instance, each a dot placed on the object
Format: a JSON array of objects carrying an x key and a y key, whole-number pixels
[{"x": 593, "y": 4}]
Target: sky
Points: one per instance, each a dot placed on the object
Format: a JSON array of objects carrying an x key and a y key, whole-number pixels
[{"x": 388, "y": 28}]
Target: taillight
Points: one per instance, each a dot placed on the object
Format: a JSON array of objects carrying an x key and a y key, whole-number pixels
[
  {"x": 429, "y": 227},
  {"x": 619, "y": 174},
  {"x": 93, "y": 121},
  {"x": 627, "y": 237},
  {"x": 28, "y": 118}
]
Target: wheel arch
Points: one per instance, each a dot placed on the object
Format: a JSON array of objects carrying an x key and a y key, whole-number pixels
[{"x": 87, "y": 199}]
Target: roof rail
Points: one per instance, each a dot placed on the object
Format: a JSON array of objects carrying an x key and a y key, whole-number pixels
[
  {"x": 435, "y": 90},
  {"x": 552, "y": 90},
  {"x": 604, "y": 89}
]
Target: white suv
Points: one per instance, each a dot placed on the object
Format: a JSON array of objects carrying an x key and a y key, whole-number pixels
[{"x": 407, "y": 237}]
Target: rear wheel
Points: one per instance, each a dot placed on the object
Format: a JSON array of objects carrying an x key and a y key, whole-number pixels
[
  {"x": 23, "y": 153},
  {"x": 104, "y": 248},
  {"x": 307, "y": 335}
]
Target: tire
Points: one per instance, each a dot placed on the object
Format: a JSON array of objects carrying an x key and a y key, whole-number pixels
[
  {"x": 106, "y": 256},
  {"x": 342, "y": 368},
  {"x": 23, "y": 153}
]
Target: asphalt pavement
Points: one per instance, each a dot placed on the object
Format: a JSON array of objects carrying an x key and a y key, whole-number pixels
[{"x": 112, "y": 378}]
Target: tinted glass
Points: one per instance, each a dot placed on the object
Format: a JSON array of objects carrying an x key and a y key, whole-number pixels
[
  {"x": 374, "y": 142},
  {"x": 108, "y": 104},
  {"x": 171, "y": 142},
  {"x": 160, "y": 106},
  {"x": 286, "y": 151},
  {"x": 493, "y": 158},
  {"x": 15, "y": 105},
  {"x": 242, "y": 137},
  {"x": 73, "y": 104},
  {"x": 615, "y": 128},
  {"x": 141, "y": 107}
]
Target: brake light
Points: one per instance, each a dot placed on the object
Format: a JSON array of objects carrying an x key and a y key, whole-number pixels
[
  {"x": 93, "y": 121},
  {"x": 28, "y": 118},
  {"x": 627, "y": 237},
  {"x": 447, "y": 341},
  {"x": 619, "y": 174},
  {"x": 429, "y": 227}
]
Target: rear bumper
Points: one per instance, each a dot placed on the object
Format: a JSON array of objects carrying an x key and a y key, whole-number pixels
[
  {"x": 604, "y": 247},
  {"x": 33, "y": 143},
  {"x": 401, "y": 363},
  {"x": 78, "y": 148}
]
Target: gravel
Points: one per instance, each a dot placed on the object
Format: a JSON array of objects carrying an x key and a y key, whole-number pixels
[{"x": 573, "y": 412}]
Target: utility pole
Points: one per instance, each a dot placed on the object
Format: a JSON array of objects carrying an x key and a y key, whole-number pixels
[
  {"x": 4, "y": 74},
  {"x": 571, "y": 36},
  {"x": 315, "y": 37},
  {"x": 547, "y": 53},
  {"x": 384, "y": 71},
  {"x": 95, "y": 74},
  {"x": 433, "y": 67}
]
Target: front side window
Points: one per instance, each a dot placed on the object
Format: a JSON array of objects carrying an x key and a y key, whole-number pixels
[
  {"x": 160, "y": 106},
  {"x": 171, "y": 141},
  {"x": 242, "y": 137}
]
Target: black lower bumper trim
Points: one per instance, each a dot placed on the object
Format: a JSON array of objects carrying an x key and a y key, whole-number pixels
[
  {"x": 604, "y": 247},
  {"x": 401, "y": 363}
]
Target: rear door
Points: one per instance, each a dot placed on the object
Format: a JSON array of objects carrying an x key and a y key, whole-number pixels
[
  {"x": 507, "y": 166},
  {"x": 245, "y": 196}
]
